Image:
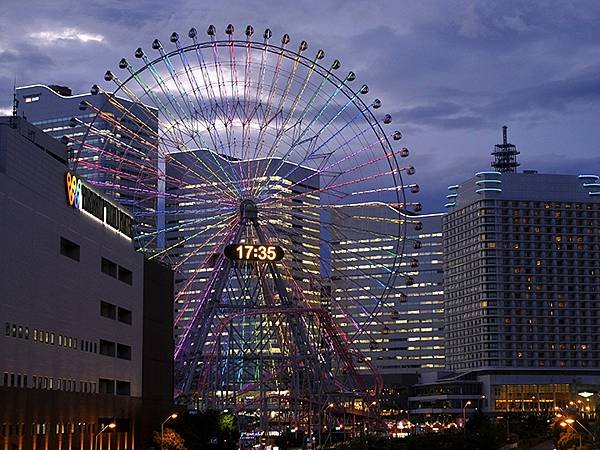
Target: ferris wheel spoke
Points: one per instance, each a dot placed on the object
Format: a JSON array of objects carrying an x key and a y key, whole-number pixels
[
  {"x": 324, "y": 156},
  {"x": 228, "y": 106},
  {"x": 272, "y": 89},
  {"x": 194, "y": 235},
  {"x": 178, "y": 123},
  {"x": 313, "y": 149},
  {"x": 217, "y": 240},
  {"x": 223, "y": 98},
  {"x": 209, "y": 122},
  {"x": 334, "y": 175},
  {"x": 112, "y": 99},
  {"x": 298, "y": 124},
  {"x": 282, "y": 129}
]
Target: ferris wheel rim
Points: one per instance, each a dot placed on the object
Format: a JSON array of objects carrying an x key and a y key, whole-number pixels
[{"x": 349, "y": 93}]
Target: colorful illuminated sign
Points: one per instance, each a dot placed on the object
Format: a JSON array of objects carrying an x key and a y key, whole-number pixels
[{"x": 79, "y": 196}]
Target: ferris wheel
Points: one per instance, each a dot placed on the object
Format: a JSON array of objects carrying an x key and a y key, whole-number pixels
[{"x": 263, "y": 176}]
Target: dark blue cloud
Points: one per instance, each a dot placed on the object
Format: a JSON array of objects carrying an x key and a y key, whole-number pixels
[{"x": 450, "y": 72}]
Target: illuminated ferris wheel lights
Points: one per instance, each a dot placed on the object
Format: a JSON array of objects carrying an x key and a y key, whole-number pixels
[{"x": 242, "y": 119}]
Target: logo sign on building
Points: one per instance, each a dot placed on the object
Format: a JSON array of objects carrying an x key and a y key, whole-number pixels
[{"x": 79, "y": 196}]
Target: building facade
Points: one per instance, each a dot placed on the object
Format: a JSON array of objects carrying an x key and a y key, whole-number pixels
[
  {"x": 522, "y": 284},
  {"x": 112, "y": 143},
  {"x": 78, "y": 306},
  {"x": 403, "y": 322}
]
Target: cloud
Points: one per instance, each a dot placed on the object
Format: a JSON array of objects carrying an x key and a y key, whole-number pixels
[
  {"x": 451, "y": 72},
  {"x": 67, "y": 34}
]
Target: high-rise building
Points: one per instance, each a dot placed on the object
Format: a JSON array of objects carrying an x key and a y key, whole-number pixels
[
  {"x": 399, "y": 326},
  {"x": 111, "y": 140},
  {"x": 522, "y": 284},
  {"x": 86, "y": 321}
]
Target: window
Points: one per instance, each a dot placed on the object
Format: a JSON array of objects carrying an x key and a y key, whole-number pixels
[
  {"x": 31, "y": 98},
  {"x": 125, "y": 316},
  {"x": 69, "y": 249},
  {"x": 107, "y": 348},
  {"x": 123, "y": 351},
  {"x": 123, "y": 388},
  {"x": 125, "y": 275},
  {"x": 109, "y": 268},
  {"x": 108, "y": 310},
  {"x": 106, "y": 386}
]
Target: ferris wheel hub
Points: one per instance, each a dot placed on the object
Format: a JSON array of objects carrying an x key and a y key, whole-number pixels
[{"x": 248, "y": 210}]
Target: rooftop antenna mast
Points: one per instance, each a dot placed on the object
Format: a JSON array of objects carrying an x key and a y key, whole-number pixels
[
  {"x": 15, "y": 101},
  {"x": 505, "y": 155}
]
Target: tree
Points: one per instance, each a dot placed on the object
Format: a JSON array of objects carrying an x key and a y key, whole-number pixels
[
  {"x": 209, "y": 430},
  {"x": 171, "y": 440}
]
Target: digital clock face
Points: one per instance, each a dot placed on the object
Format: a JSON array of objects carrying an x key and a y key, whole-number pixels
[{"x": 253, "y": 252}]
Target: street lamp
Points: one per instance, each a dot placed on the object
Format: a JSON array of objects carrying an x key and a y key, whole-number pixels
[
  {"x": 110, "y": 425},
  {"x": 465, "y": 416},
  {"x": 568, "y": 422},
  {"x": 162, "y": 428}
]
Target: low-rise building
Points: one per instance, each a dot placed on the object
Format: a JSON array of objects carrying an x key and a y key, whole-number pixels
[{"x": 86, "y": 320}]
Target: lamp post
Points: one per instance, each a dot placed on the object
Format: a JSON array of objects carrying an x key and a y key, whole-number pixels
[
  {"x": 568, "y": 422},
  {"x": 465, "y": 417},
  {"x": 110, "y": 425},
  {"x": 162, "y": 428}
]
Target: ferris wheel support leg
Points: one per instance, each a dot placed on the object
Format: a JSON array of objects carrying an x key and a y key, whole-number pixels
[{"x": 206, "y": 318}]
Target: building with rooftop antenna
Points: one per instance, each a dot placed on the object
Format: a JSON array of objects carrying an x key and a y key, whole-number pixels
[
  {"x": 505, "y": 155},
  {"x": 521, "y": 288}
]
